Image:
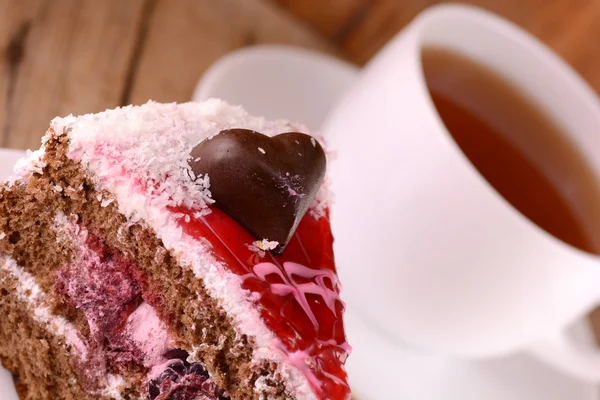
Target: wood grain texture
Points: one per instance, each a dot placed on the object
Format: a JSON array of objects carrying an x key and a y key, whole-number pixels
[
  {"x": 73, "y": 57},
  {"x": 14, "y": 28},
  {"x": 186, "y": 36},
  {"x": 333, "y": 19}
]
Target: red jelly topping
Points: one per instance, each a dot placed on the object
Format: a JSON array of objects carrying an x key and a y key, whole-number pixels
[{"x": 296, "y": 293}]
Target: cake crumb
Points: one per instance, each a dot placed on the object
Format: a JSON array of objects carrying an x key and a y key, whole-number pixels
[
  {"x": 265, "y": 244},
  {"x": 106, "y": 203},
  {"x": 252, "y": 247}
]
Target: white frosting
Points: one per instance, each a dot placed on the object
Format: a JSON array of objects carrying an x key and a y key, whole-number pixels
[
  {"x": 30, "y": 293},
  {"x": 130, "y": 148},
  {"x": 30, "y": 164}
]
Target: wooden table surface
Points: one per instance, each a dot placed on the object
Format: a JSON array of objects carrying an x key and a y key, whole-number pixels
[{"x": 59, "y": 57}]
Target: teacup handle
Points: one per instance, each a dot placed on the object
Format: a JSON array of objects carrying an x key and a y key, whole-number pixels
[{"x": 568, "y": 355}]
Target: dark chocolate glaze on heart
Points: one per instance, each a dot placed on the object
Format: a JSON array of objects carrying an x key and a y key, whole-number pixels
[{"x": 265, "y": 183}]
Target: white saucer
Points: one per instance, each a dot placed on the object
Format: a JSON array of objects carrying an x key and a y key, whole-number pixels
[{"x": 281, "y": 82}]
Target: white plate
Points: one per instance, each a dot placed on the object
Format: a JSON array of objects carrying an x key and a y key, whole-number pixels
[{"x": 280, "y": 82}]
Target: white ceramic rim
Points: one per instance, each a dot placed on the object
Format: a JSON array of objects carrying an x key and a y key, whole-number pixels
[{"x": 579, "y": 89}]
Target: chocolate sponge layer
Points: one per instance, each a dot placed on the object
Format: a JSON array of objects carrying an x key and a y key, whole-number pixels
[
  {"x": 41, "y": 362},
  {"x": 194, "y": 319}
]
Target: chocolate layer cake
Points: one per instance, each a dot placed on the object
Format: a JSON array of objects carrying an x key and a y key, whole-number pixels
[{"x": 171, "y": 252}]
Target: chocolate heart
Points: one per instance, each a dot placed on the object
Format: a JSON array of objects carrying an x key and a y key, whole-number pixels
[{"x": 265, "y": 183}]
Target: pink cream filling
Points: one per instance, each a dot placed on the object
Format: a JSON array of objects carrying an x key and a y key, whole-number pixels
[
  {"x": 103, "y": 285},
  {"x": 149, "y": 334},
  {"x": 125, "y": 330}
]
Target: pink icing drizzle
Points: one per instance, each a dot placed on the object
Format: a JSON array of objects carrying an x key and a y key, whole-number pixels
[{"x": 300, "y": 290}]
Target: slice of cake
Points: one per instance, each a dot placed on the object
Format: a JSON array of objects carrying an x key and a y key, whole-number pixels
[{"x": 171, "y": 252}]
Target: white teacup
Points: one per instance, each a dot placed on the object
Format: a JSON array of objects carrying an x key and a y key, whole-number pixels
[{"x": 436, "y": 256}]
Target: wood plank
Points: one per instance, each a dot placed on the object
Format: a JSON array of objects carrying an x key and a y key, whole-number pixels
[
  {"x": 15, "y": 20},
  {"x": 75, "y": 56},
  {"x": 332, "y": 19},
  {"x": 384, "y": 19},
  {"x": 186, "y": 36},
  {"x": 576, "y": 40}
]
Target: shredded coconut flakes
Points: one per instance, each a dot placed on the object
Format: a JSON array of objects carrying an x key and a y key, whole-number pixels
[{"x": 151, "y": 144}]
